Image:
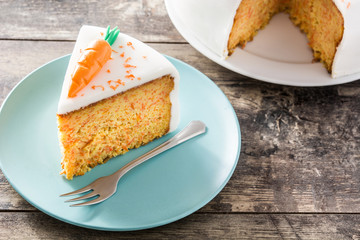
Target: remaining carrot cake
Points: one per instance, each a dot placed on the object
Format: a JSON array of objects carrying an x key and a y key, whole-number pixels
[
  {"x": 331, "y": 26},
  {"x": 118, "y": 94},
  {"x": 321, "y": 20}
]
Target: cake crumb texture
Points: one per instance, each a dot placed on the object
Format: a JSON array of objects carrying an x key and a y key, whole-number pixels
[
  {"x": 320, "y": 20},
  {"x": 112, "y": 126}
]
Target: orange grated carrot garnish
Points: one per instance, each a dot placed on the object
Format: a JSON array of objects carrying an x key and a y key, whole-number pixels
[
  {"x": 120, "y": 46},
  {"x": 129, "y": 66},
  {"x": 130, "y": 45},
  {"x": 122, "y": 55},
  {"x": 130, "y": 76},
  {"x": 139, "y": 78},
  {"x": 128, "y": 59},
  {"x": 98, "y": 86},
  {"x": 114, "y": 51},
  {"x": 114, "y": 87},
  {"x": 348, "y": 5},
  {"x": 128, "y": 71},
  {"x": 120, "y": 82},
  {"x": 144, "y": 57},
  {"x": 108, "y": 70}
]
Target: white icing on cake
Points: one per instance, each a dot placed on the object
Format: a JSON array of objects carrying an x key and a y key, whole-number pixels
[
  {"x": 210, "y": 21},
  {"x": 132, "y": 61},
  {"x": 346, "y": 58}
]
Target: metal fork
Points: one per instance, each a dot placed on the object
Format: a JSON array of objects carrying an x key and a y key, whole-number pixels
[{"x": 105, "y": 187}]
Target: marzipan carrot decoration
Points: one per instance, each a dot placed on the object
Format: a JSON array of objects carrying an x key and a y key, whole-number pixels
[{"x": 93, "y": 58}]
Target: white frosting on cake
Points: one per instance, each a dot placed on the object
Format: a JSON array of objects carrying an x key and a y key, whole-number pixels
[
  {"x": 210, "y": 21},
  {"x": 132, "y": 62},
  {"x": 346, "y": 60}
]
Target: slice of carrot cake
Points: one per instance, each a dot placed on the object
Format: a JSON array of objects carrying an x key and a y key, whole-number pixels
[{"x": 118, "y": 94}]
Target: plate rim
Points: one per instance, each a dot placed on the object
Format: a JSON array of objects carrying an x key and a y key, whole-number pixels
[{"x": 193, "y": 209}]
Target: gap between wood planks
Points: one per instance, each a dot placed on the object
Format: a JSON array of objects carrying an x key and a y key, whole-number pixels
[
  {"x": 219, "y": 213},
  {"x": 66, "y": 40}
]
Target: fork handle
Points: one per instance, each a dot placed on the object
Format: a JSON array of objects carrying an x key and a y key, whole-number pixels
[{"x": 193, "y": 129}]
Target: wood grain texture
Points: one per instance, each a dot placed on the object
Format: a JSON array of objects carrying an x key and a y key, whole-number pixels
[
  {"x": 146, "y": 20},
  {"x": 35, "y": 225}
]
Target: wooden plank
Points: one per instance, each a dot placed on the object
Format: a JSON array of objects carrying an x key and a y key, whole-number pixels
[
  {"x": 197, "y": 226},
  {"x": 299, "y": 145},
  {"x": 61, "y": 20},
  {"x": 10, "y": 199}
]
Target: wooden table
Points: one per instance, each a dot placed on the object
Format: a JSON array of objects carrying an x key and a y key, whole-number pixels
[{"x": 298, "y": 175}]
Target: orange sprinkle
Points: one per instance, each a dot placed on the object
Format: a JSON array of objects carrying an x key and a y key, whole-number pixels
[
  {"x": 102, "y": 34},
  {"x": 130, "y": 44},
  {"x": 98, "y": 86},
  {"x": 114, "y": 87},
  {"x": 128, "y": 59},
  {"x": 114, "y": 51},
  {"x": 108, "y": 70},
  {"x": 122, "y": 55},
  {"x": 121, "y": 46},
  {"x": 120, "y": 82},
  {"x": 139, "y": 78},
  {"x": 130, "y": 76},
  {"x": 348, "y": 5},
  {"x": 128, "y": 65},
  {"x": 117, "y": 81},
  {"x": 128, "y": 71}
]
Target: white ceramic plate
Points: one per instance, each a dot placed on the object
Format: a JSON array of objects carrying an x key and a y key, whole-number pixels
[{"x": 278, "y": 54}]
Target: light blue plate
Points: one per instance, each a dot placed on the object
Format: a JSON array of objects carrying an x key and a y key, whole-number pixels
[{"x": 170, "y": 186}]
